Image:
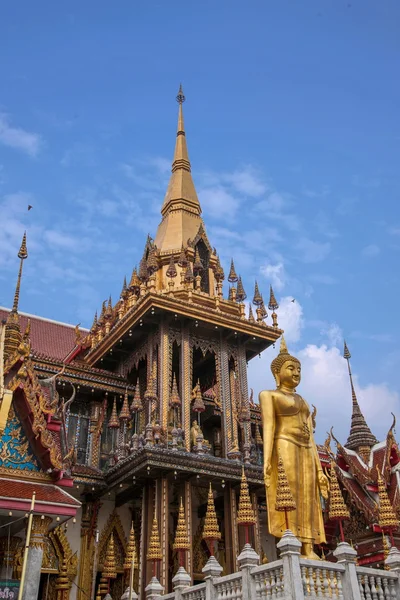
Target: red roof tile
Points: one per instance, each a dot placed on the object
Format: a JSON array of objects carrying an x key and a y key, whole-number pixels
[
  {"x": 47, "y": 493},
  {"x": 47, "y": 337}
]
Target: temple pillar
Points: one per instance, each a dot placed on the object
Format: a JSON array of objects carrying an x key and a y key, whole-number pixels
[
  {"x": 186, "y": 383},
  {"x": 164, "y": 370},
  {"x": 189, "y": 520},
  {"x": 230, "y": 530},
  {"x": 145, "y": 569},
  {"x": 63, "y": 584},
  {"x": 225, "y": 398},
  {"x": 87, "y": 550},
  {"x": 257, "y": 532},
  {"x": 40, "y": 526},
  {"x": 163, "y": 521}
]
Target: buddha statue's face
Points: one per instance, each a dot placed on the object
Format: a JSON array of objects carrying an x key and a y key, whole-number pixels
[{"x": 290, "y": 374}]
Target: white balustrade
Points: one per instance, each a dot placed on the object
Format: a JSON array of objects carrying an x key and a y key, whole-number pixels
[
  {"x": 321, "y": 579},
  {"x": 229, "y": 587},
  {"x": 195, "y": 592},
  {"x": 375, "y": 584}
]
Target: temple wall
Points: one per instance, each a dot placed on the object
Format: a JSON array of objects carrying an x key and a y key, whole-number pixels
[{"x": 74, "y": 538}]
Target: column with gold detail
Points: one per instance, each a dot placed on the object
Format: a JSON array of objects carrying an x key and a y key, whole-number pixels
[
  {"x": 186, "y": 384},
  {"x": 40, "y": 527},
  {"x": 87, "y": 551}
]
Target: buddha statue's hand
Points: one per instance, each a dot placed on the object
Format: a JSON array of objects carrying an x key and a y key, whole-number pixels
[
  {"x": 323, "y": 484},
  {"x": 267, "y": 474}
]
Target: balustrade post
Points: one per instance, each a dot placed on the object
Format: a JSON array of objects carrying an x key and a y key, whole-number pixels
[
  {"x": 127, "y": 596},
  {"x": 393, "y": 562},
  {"x": 180, "y": 582},
  {"x": 248, "y": 559},
  {"x": 346, "y": 555},
  {"x": 211, "y": 570},
  {"x": 154, "y": 590},
  {"x": 289, "y": 547}
]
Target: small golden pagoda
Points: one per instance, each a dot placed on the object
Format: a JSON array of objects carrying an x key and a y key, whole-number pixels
[
  {"x": 109, "y": 568},
  {"x": 130, "y": 557},
  {"x": 284, "y": 498},
  {"x": 245, "y": 514},
  {"x": 113, "y": 423},
  {"x": 181, "y": 541},
  {"x": 337, "y": 507},
  {"x": 387, "y": 519},
  {"x": 154, "y": 552},
  {"x": 211, "y": 532}
]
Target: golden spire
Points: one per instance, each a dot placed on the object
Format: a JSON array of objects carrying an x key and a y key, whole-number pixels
[
  {"x": 251, "y": 316},
  {"x": 360, "y": 434},
  {"x": 245, "y": 514},
  {"x": 181, "y": 541},
  {"x": 137, "y": 401},
  {"x": 198, "y": 404},
  {"x": 257, "y": 299},
  {"x": 109, "y": 568},
  {"x": 232, "y": 277},
  {"x": 181, "y": 188},
  {"x": 130, "y": 555},
  {"x": 284, "y": 499},
  {"x": 174, "y": 397},
  {"x": 387, "y": 519},
  {"x": 125, "y": 414},
  {"x": 154, "y": 553},
  {"x": 171, "y": 271},
  {"x": 113, "y": 423},
  {"x": 240, "y": 293},
  {"x": 337, "y": 507},
  {"x": 211, "y": 530},
  {"x": 13, "y": 331},
  {"x": 272, "y": 304}
]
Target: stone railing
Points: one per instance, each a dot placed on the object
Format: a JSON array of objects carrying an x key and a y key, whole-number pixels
[{"x": 289, "y": 578}]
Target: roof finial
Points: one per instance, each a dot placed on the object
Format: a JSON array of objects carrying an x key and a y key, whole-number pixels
[
  {"x": 360, "y": 434},
  {"x": 22, "y": 255},
  {"x": 180, "y": 97},
  {"x": 13, "y": 331}
]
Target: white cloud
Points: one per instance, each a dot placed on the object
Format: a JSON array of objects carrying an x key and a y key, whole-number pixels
[
  {"x": 325, "y": 379},
  {"x": 371, "y": 250},
  {"x": 394, "y": 230},
  {"x": 218, "y": 202},
  {"x": 16, "y": 137},
  {"x": 246, "y": 181},
  {"x": 311, "y": 251},
  {"x": 275, "y": 274}
]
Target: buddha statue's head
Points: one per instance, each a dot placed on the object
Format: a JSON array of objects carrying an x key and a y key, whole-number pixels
[{"x": 286, "y": 368}]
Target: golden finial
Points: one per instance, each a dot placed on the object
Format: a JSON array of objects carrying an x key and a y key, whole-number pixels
[
  {"x": 109, "y": 568},
  {"x": 124, "y": 289},
  {"x": 174, "y": 397},
  {"x": 130, "y": 556},
  {"x": 181, "y": 541},
  {"x": 219, "y": 272},
  {"x": 94, "y": 326},
  {"x": 257, "y": 299},
  {"x": 272, "y": 304},
  {"x": 189, "y": 273},
  {"x": 171, "y": 271},
  {"x": 211, "y": 530},
  {"x": 240, "y": 293},
  {"x": 113, "y": 423},
  {"x": 387, "y": 519},
  {"x": 137, "y": 401},
  {"x": 182, "y": 260},
  {"x": 284, "y": 498},
  {"x": 152, "y": 263},
  {"x": 232, "y": 277},
  {"x": 198, "y": 404},
  {"x": 22, "y": 255},
  {"x": 245, "y": 514},
  {"x": 154, "y": 552},
  {"x": 109, "y": 310},
  {"x": 251, "y": 316},
  {"x": 125, "y": 414},
  {"x": 337, "y": 507},
  {"x": 198, "y": 265},
  {"x": 143, "y": 274},
  {"x": 134, "y": 283}
]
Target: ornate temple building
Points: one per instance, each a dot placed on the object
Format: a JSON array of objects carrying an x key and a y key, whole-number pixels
[{"x": 119, "y": 431}]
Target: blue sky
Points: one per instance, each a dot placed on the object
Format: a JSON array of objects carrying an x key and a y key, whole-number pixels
[{"x": 294, "y": 136}]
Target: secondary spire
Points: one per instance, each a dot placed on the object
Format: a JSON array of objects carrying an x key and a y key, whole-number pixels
[
  {"x": 181, "y": 193},
  {"x": 360, "y": 434},
  {"x": 13, "y": 331}
]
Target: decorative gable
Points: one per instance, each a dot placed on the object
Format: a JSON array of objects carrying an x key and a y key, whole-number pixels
[{"x": 15, "y": 450}]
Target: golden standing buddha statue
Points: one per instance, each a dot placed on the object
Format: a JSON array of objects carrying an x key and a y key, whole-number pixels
[{"x": 287, "y": 426}]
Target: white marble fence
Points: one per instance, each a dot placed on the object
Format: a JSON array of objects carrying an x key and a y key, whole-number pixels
[{"x": 289, "y": 578}]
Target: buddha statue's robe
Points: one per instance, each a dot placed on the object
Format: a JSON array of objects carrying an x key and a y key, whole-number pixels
[{"x": 287, "y": 418}]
